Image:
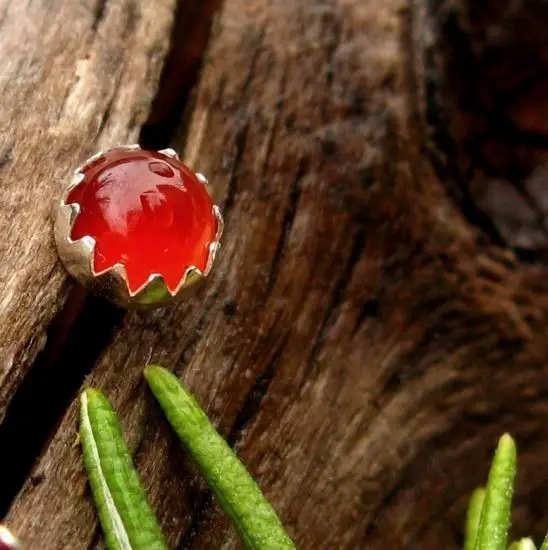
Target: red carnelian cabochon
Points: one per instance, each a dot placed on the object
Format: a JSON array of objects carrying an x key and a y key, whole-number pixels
[{"x": 146, "y": 211}]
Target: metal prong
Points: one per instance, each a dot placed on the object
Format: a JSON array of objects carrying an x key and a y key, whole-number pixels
[
  {"x": 77, "y": 179},
  {"x": 202, "y": 178},
  {"x": 90, "y": 161},
  {"x": 220, "y": 223},
  {"x": 192, "y": 276},
  {"x": 215, "y": 245},
  {"x": 118, "y": 270},
  {"x": 68, "y": 214},
  {"x": 86, "y": 244},
  {"x": 169, "y": 153}
]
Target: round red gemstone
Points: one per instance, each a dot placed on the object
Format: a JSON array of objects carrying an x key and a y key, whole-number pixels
[{"x": 146, "y": 211}]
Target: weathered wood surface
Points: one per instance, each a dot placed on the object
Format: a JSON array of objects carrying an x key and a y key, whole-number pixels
[
  {"x": 75, "y": 77},
  {"x": 361, "y": 342}
]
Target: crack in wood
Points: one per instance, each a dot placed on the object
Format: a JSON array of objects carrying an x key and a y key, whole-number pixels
[
  {"x": 369, "y": 310},
  {"x": 106, "y": 114},
  {"x": 6, "y": 154},
  {"x": 272, "y": 132},
  {"x": 4, "y": 14},
  {"x": 98, "y": 14},
  {"x": 335, "y": 302},
  {"x": 254, "y": 398},
  {"x": 240, "y": 137},
  {"x": 188, "y": 44},
  {"x": 250, "y": 407},
  {"x": 96, "y": 539},
  {"x": 199, "y": 517},
  {"x": 287, "y": 224},
  {"x": 76, "y": 337},
  {"x": 441, "y": 149}
]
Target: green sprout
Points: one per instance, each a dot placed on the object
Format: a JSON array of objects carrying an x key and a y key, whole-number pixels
[
  {"x": 494, "y": 520},
  {"x": 129, "y": 523},
  {"x": 489, "y": 509},
  {"x": 254, "y": 518},
  {"x": 473, "y": 518},
  {"x": 126, "y": 517}
]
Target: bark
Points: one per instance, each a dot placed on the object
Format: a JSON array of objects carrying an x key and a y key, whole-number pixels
[{"x": 373, "y": 323}]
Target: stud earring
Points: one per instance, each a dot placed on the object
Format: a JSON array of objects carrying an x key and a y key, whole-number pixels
[{"x": 138, "y": 227}]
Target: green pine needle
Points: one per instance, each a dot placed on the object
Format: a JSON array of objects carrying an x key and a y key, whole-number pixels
[
  {"x": 495, "y": 515},
  {"x": 126, "y": 517},
  {"x": 254, "y": 518},
  {"x": 473, "y": 518}
]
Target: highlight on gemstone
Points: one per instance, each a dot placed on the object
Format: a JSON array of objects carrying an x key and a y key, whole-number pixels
[
  {"x": 147, "y": 212},
  {"x": 7, "y": 540}
]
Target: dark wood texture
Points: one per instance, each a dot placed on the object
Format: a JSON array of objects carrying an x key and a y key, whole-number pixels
[{"x": 368, "y": 331}]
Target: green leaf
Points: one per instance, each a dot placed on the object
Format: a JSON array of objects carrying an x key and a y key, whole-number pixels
[
  {"x": 495, "y": 515},
  {"x": 545, "y": 544},
  {"x": 239, "y": 495},
  {"x": 473, "y": 518},
  {"x": 126, "y": 517},
  {"x": 523, "y": 544}
]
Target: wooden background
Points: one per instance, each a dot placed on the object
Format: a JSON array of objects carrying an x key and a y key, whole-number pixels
[{"x": 378, "y": 313}]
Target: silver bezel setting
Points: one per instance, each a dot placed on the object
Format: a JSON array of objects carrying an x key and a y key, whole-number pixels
[{"x": 77, "y": 255}]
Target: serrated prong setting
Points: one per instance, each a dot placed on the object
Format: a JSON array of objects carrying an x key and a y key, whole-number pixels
[
  {"x": 202, "y": 178},
  {"x": 169, "y": 153},
  {"x": 77, "y": 179},
  {"x": 216, "y": 244},
  {"x": 77, "y": 255}
]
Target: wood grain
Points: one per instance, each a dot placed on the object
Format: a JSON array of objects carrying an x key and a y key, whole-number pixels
[
  {"x": 360, "y": 342},
  {"x": 75, "y": 77}
]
